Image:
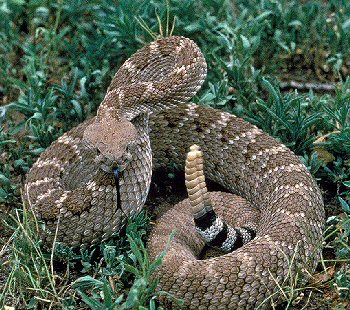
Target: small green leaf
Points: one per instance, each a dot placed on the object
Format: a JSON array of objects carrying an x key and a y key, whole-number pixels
[
  {"x": 7, "y": 142},
  {"x": 347, "y": 183},
  {"x": 3, "y": 195},
  {"x": 86, "y": 282},
  {"x": 91, "y": 302},
  {"x": 208, "y": 97},
  {"x": 262, "y": 16},
  {"x": 37, "y": 115},
  {"x": 18, "y": 2},
  {"x": 37, "y": 151},
  {"x": 295, "y": 23},
  {"x": 108, "y": 299},
  {"x": 77, "y": 108},
  {"x": 152, "y": 305},
  {"x": 131, "y": 269},
  {"x": 273, "y": 92},
  {"x": 245, "y": 41},
  {"x": 346, "y": 24},
  {"x": 4, "y": 180},
  {"x": 344, "y": 205}
]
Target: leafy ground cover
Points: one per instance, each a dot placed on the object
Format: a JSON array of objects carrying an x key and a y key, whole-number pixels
[{"x": 56, "y": 61}]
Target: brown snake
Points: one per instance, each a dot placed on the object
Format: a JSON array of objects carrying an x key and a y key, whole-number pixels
[{"x": 97, "y": 174}]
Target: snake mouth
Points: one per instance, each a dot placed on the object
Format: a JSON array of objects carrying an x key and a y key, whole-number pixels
[{"x": 109, "y": 163}]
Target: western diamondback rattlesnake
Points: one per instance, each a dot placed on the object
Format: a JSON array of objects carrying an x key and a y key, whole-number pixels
[{"x": 98, "y": 173}]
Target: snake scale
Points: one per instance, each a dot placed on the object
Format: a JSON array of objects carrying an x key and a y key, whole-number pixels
[{"x": 97, "y": 174}]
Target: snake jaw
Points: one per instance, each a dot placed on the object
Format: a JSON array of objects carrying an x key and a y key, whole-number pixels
[
  {"x": 109, "y": 165},
  {"x": 123, "y": 162}
]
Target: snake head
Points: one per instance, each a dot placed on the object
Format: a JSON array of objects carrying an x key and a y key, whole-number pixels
[{"x": 113, "y": 138}]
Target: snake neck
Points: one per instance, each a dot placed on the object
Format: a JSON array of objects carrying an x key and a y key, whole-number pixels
[{"x": 136, "y": 178}]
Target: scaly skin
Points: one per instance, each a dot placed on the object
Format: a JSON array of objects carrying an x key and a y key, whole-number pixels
[
  {"x": 72, "y": 184},
  {"x": 253, "y": 165}
]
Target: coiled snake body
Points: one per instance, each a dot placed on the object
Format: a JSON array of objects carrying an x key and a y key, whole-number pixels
[{"x": 98, "y": 173}]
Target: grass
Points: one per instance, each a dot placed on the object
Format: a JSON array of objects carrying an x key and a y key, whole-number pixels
[
  {"x": 56, "y": 61},
  {"x": 31, "y": 278},
  {"x": 291, "y": 289}
]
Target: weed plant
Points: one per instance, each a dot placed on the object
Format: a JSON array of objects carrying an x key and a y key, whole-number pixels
[{"x": 56, "y": 61}]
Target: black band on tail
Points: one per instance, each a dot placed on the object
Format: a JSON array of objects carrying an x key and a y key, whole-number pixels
[
  {"x": 206, "y": 220},
  {"x": 217, "y": 234},
  {"x": 219, "y": 238}
]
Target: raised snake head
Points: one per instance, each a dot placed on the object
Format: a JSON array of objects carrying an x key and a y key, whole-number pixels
[{"x": 114, "y": 139}]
